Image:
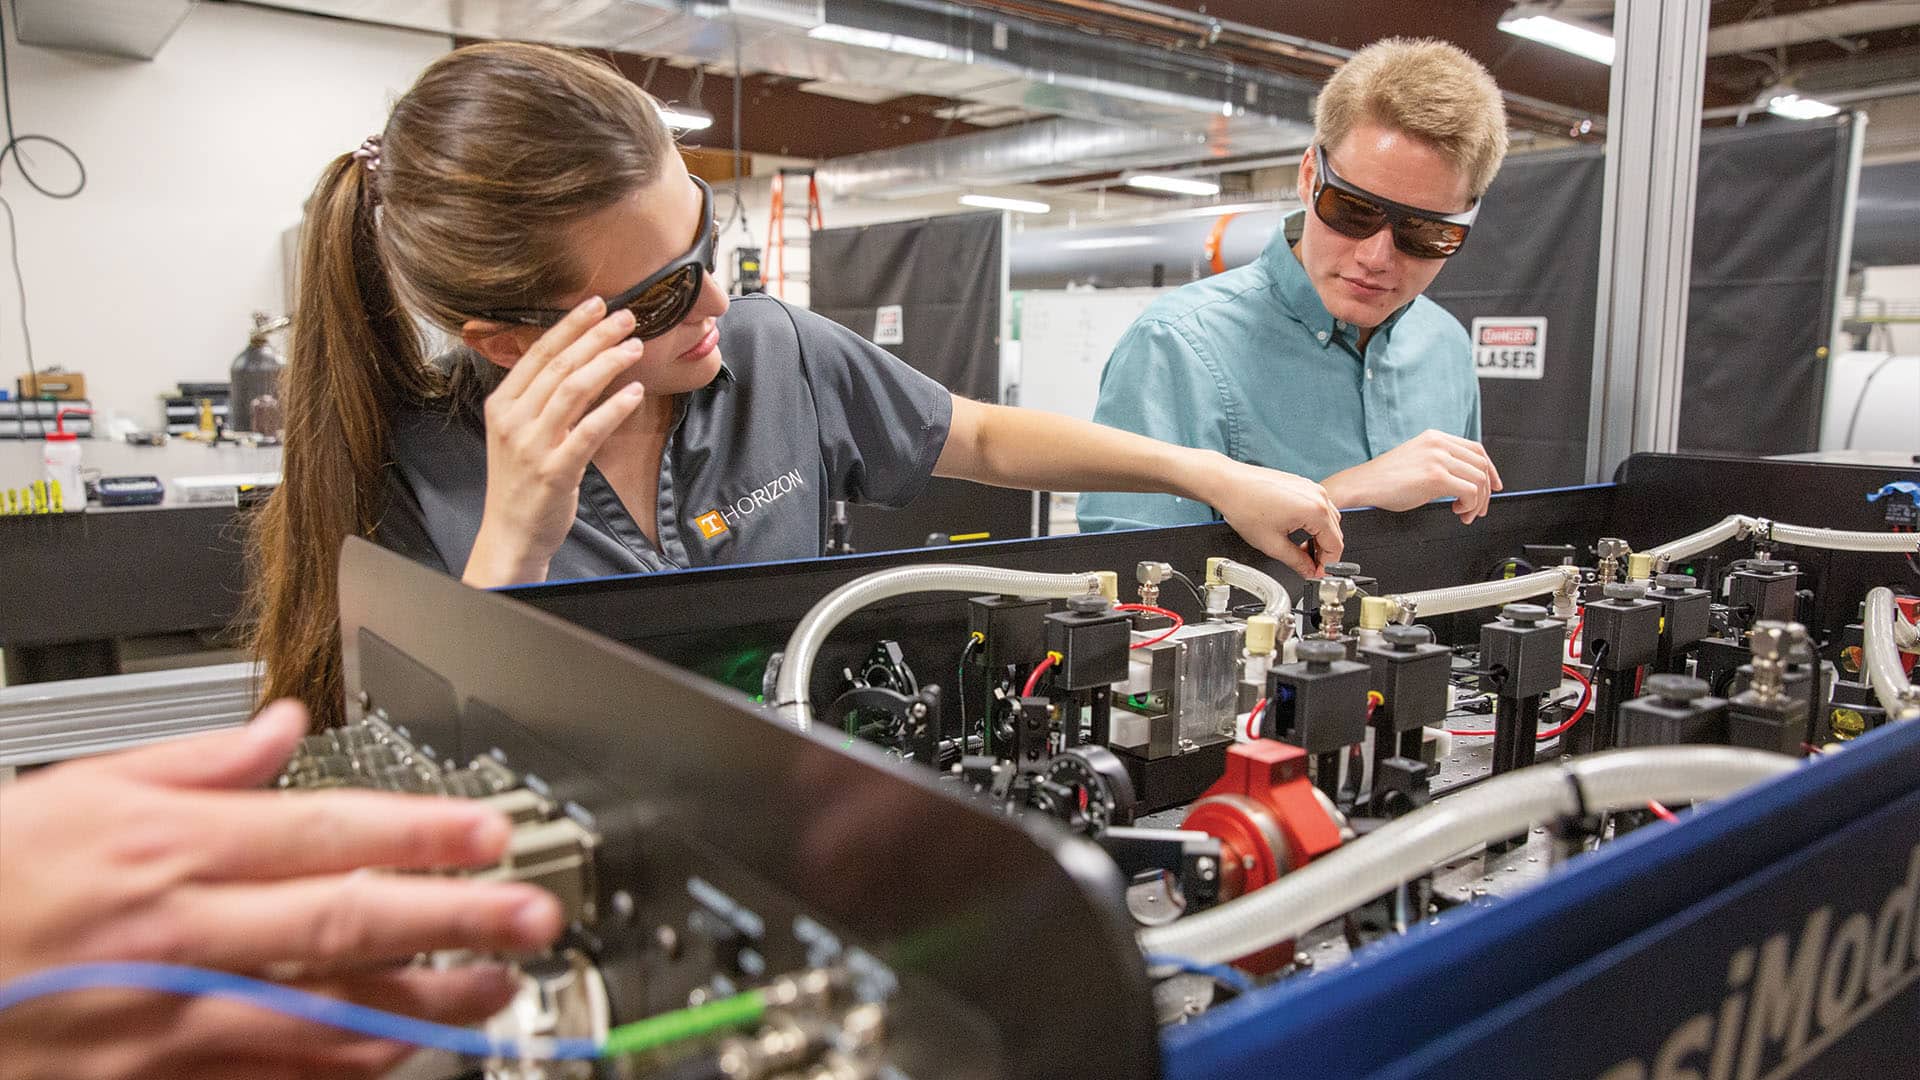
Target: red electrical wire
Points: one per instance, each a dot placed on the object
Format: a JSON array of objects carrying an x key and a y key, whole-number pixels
[
  {"x": 1639, "y": 677},
  {"x": 1178, "y": 622},
  {"x": 1586, "y": 698},
  {"x": 1574, "y": 644},
  {"x": 1033, "y": 680},
  {"x": 1253, "y": 718},
  {"x": 1661, "y": 812}
]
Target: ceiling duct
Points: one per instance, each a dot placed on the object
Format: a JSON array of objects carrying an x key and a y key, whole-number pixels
[
  {"x": 1817, "y": 24},
  {"x": 1045, "y": 150},
  {"x": 1114, "y": 103},
  {"x": 919, "y": 46},
  {"x": 1172, "y": 250}
]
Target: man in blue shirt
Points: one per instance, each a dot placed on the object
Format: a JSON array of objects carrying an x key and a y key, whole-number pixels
[{"x": 1321, "y": 357}]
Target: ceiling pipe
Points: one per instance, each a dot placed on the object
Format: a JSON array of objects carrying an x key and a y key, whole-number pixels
[{"x": 1831, "y": 97}]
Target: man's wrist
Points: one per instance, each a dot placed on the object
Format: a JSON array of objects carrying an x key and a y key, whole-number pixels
[{"x": 1348, "y": 488}]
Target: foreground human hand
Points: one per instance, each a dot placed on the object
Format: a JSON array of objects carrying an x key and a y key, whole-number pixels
[
  {"x": 543, "y": 427},
  {"x": 1266, "y": 506},
  {"x": 1431, "y": 465},
  {"x": 154, "y": 855}
]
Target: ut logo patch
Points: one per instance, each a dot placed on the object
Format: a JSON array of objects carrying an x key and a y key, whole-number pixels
[{"x": 711, "y": 524}]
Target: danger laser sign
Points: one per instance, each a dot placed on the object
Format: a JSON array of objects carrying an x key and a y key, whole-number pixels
[{"x": 1510, "y": 347}]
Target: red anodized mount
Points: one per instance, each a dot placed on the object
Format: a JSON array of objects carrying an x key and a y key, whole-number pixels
[{"x": 1269, "y": 820}]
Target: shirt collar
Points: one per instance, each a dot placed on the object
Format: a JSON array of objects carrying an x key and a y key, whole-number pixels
[{"x": 1297, "y": 294}]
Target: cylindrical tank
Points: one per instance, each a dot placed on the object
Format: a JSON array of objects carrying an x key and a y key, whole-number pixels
[{"x": 256, "y": 378}]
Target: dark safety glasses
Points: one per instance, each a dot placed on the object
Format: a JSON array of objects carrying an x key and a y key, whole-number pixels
[
  {"x": 1358, "y": 213},
  {"x": 661, "y": 301}
]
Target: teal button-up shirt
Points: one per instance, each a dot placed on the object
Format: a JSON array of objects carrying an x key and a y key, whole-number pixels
[{"x": 1250, "y": 363}]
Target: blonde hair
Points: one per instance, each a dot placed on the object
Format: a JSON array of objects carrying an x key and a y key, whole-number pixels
[{"x": 1428, "y": 89}]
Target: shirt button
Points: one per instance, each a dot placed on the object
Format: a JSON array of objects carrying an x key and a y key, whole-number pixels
[
  {"x": 1322, "y": 335},
  {"x": 1339, "y": 325},
  {"x": 1369, "y": 374}
]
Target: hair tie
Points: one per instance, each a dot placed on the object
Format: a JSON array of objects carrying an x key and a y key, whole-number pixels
[{"x": 369, "y": 153}]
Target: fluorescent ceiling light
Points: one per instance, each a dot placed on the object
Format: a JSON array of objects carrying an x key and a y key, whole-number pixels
[
  {"x": 1576, "y": 38},
  {"x": 1103, "y": 243},
  {"x": 995, "y": 202},
  {"x": 1795, "y": 107},
  {"x": 686, "y": 117},
  {"x": 876, "y": 39},
  {"x": 1178, "y": 185},
  {"x": 1219, "y": 209}
]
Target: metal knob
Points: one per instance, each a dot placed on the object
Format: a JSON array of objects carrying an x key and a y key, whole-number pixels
[
  {"x": 1090, "y": 604},
  {"x": 1676, "y": 582},
  {"x": 1343, "y": 569},
  {"x": 1523, "y": 614},
  {"x": 1320, "y": 653},
  {"x": 1612, "y": 548},
  {"x": 1404, "y": 638},
  {"x": 1626, "y": 590},
  {"x": 1676, "y": 689}
]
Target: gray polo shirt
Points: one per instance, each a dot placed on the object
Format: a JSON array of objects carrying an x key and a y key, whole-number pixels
[{"x": 803, "y": 412}]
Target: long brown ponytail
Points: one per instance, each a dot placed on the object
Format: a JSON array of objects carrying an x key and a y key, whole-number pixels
[{"x": 483, "y": 164}]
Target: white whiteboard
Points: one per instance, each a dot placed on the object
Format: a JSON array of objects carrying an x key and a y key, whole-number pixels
[{"x": 1065, "y": 339}]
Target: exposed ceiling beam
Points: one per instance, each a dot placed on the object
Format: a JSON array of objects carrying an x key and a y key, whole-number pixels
[{"x": 1818, "y": 24}]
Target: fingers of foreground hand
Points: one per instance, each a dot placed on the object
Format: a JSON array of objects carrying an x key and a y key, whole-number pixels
[
  {"x": 600, "y": 338},
  {"x": 341, "y": 918},
  {"x": 244, "y": 757},
  {"x": 1331, "y": 539},
  {"x": 551, "y": 344},
  {"x": 574, "y": 396},
  {"x": 587, "y": 436},
  {"x": 1294, "y": 556},
  {"x": 266, "y": 834}
]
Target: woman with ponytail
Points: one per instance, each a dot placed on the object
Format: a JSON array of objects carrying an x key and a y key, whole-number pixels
[{"x": 608, "y": 409}]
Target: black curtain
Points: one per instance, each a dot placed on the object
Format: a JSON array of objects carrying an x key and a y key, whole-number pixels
[
  {"x": 942, "y": 273},
  {"x": 1535, "y": 251},
  {"x": 1767, "y": 222},
  {"x": 1766, "y": 237}
]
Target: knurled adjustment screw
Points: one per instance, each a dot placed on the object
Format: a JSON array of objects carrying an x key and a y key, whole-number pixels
[
  {"x": 1404, "y": 638},
  {"x": 1676, "y": 689},
  {"x": 1320, "y": 652},
  {"x": 1523, "y": 614},
  {"x": 1626, "y": 590},
  {"x": 1343, "y": 569},
  {"x": 1676, "y": 582},
  {"x": 1767, "y": 566},
  {"x": 1090, "y": 604}
]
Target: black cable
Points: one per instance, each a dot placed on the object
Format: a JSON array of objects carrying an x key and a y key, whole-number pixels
[
  {"x": 13, "y": 146},
  {"x": 1857, "y": 402},
  {"x": 15, "y": 142},
  {"x": 1191, "y": 587},
  {"x": 20, "y": 281},
  {"x": 960, "y": 682},
  {"x": 739, "y": 207}
]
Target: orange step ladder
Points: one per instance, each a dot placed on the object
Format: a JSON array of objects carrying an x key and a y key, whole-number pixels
[{"x": 783, "y": 217}]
